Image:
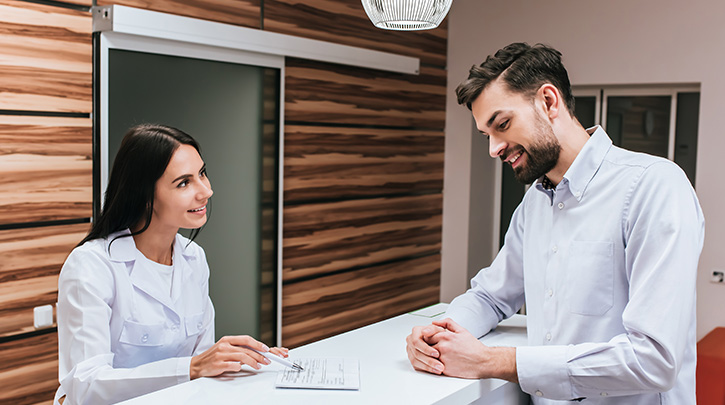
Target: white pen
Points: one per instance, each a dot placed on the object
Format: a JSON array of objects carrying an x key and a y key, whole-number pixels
[{"x": 280, "y": 360}]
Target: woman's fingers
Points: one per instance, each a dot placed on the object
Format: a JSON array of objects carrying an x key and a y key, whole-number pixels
[
  {"x": 244, "y": 340},
  {"x": 230, "y": 353},
  {"x": 280, "y": 351}
]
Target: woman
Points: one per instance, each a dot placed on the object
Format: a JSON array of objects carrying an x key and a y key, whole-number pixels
[{"x": 134, "y": 313}]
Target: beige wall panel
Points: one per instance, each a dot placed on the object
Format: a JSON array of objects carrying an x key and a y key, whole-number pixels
[
  {"x": 45, "y": 168},
  {"x": 32, "y": 259},
  {"x": 324, "y": 238},
  {"x": 46, "y": 58},
  {"x": 334, "y": 163},
  {"x": 329, "y": 305},
  {"x": 345, "y": 22},
  {"x": 238, "y": 12},
  {"x": 29, "y": 370},
  {"x": 336, "y": 94}
]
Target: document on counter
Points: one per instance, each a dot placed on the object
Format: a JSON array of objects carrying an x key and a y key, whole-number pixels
[{"x": 322, "y": 373}]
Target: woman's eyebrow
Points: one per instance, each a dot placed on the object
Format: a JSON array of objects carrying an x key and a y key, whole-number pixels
[{"x": 182, "y": 177}]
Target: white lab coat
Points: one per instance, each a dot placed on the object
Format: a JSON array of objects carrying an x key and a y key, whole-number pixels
[{"x": 120, "y": 333}]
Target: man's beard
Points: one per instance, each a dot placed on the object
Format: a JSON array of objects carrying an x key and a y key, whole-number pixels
[{"x": 541, "y": 156}]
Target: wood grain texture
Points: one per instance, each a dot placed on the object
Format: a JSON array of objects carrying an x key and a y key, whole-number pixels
[
  {"x": 32, "y": 259},
  {"x": 324, "y": 238},
  {"x": 46, "y": 58},
  {"x": 326, "y": 163},
  {"x": 29, "y": 370},
  {"x": 336, "y": 94},
  {"x": 345, "y": 22},
  {"x": 245, "y": 13},
  {"x": 87, "y": 3},
  {"x": 329, "y": 305},
  {"x": 45, "y": 168}
]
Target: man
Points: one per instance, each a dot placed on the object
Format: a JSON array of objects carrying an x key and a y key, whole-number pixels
[{"x": 603, "y": 250}]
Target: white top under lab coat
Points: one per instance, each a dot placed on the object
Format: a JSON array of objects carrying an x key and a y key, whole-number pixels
[{"x": 120, "y": 333}]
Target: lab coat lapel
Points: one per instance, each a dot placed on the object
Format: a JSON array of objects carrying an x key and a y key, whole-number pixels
[
  {"x": 182, "y": 270},
  {"x": 144, "y": 279},
  {"x": 142, "y": 276}
]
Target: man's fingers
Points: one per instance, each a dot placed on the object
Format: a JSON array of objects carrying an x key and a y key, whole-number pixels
[
  {"x": 449, "y": 324},
  {"x": 431, "y": 330},
  {"x": 424, "y": 363},
  {"x": 423, "y": 347},
  {"x": 437, "y": 338},
  {"x": 421, "y": 359}
]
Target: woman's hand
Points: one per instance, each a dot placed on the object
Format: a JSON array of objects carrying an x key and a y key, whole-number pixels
[
  {"x": 229, "y": 353},
  {"x": 280, "y": 351}
]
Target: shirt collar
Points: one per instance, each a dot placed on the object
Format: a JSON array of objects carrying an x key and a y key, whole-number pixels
[
  {"x": 587, "y": 163},
  {"x": 124, "y": 248}
]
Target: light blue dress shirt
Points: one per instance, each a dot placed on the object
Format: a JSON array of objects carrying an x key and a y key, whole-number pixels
[{"x": 606, "y": 263}]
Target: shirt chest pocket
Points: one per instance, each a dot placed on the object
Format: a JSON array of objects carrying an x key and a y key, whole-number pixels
[
  {"x": 590, "y": 277},
  {"x": 194, "y": 324},
  {"x": 138, "y": 334}
]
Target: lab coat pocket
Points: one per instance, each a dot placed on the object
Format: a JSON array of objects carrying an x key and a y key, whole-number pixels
[
  {"x": 194, "y": 324},
  {"x": 138, "y": 334},
  {"x": 590, "y": 274}
]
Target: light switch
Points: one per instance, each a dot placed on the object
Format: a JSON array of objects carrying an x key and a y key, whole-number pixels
[{"x": 43, "y": 316}]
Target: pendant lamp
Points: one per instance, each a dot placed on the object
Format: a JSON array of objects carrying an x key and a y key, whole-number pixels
[{"x": 406, "y": 15}]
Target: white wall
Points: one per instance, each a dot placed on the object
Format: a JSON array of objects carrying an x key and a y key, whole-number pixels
[{"x": 603, "y": 43}]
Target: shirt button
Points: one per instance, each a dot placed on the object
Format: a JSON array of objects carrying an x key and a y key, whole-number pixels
[
  {"x": 539, "y": 393},
  {"x": 199, "y": 325},
  {"x": 174, "y": 327},
  {"x": 604, "y": 394},
  {"x": 561, "y": 206},
  {"x": 577, "y": 194},
  {"x": 554, "y": 249},
  {"x": 549, "y": 292},
  {"x": 548, "y": 336},
  {"x": 145, "y": 338}
]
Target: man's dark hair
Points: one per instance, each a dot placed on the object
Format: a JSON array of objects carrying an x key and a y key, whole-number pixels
[{"x": 524, "y": 68}]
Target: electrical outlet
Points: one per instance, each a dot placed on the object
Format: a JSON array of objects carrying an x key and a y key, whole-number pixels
[
  {"x": 718, "y": 276},
  {"x": 43, "y": 316}
]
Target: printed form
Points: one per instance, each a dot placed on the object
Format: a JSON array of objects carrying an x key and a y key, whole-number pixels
[{"x": 324, "y": 374}]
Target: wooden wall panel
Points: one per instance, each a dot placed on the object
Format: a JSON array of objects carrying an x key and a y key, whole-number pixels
[
  {"x": 31, "y": 261},
  {"x": 333, "y": 163},
  {"x": 29, "y": 370},
  {"x": 246, "y": 13},
  {"x": 324, "y": 238},
  {"x": 46, "y": 168},
  {"x": 345, "y": 22},
  {"x": 333, "y": 304},
  {"x": 46, "y": 58},
  {"x": 336, "y": 94},
  {"x": 87, "y": 3}
]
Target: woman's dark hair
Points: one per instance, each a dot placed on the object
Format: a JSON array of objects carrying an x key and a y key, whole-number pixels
[
  {"x": 141, "y": 160},
  {"x": 524, "y": 68}
]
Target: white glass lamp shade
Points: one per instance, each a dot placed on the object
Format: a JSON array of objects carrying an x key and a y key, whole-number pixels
[{"x": 406, "y": 15}]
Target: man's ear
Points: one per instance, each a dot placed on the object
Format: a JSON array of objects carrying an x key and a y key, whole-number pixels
[{"x": 551, "y": 100}]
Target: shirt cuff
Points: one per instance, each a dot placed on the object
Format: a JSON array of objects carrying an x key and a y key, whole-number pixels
[
  {"x": 183, "y": 369},
  {"x": 478, "y": 321},
  {"x": 543, "y": 371}
]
